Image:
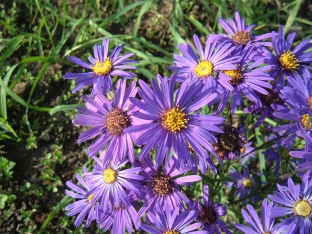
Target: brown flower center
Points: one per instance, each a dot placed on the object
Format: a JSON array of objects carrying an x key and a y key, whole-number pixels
[
  {"x": 207, "y": 216},
  {"x": 242, "y": 37},
  {"x": 116, "y": 121},
  {"x": 229, "y": 141},
  {"x": 162, "y": 184},
  {"x": 236, "y": 75},
  {"x": 271, "y": 98}
]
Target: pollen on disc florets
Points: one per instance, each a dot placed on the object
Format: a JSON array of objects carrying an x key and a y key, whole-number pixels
[
  {"x": 174, "y": 120},
  {"x": 303, "y": 208},
  {"x": 236, "y": 75},
  {"x": 162, "y": 184},
  {"x": 103, "y": 68},
  {"x": 90, "y": 198},
  {"x": 242, "y": 37},
  {"x": 247, "y": 183},
  {"x": 310, "y": 102},
  {"x": 289, "y": 61},
  {"x": 304, "y": 121},
  {"x": 171, "y": 232},
  {"x": 116, "y": 121},
  {"x": 204, "y": 69},
  {"x": 207, "y": 216},
  {"x": 110, "y": 175}
]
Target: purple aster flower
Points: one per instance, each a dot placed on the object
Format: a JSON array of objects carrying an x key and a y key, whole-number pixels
[
  {"x": 241, "y": 34},
  {"x": 84, "y": 205},
  {"x": 103, "y": 66},
  {"x": 247, "y": 152},
  {"x": 266, "y": 225},
  {"x": 246, "y": 78},
  {"x": 245, "y": 183},
  {"x": 119, "y": 219},
  {"x": 163, "y": 188},
  {"x": 287, "y": 61},
  {"x": 109, "y": 181},
  {"x": 173, "y": 123},
  {"x": 230, "y": 142},
  {"x": 298, "y": 97},
  {"x": 305, "y": 155},
  {"x": 108, "y": 120},
  {"x": 295, "y": 200},
  {"x": 268, "y": 103},
  {"x": 210, "y": 213},
  {"x": 213, "y": 59},
  {"x": 171, "y": 222}
]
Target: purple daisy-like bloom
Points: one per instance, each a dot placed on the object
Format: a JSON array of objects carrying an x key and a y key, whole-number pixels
[
  {"x": 247, "y": 78},
  {"x": 288, "y": 61},
  {"x": 84, "y": 206},
  {"x": 213, "y": 59},
  {"x": 163, "y": 188},
  {"x": 266, "y": 225},
  {"x": 172, "y": 121},
  {"x": 241, "y": 33},
  {"x": 298, "y": 96},
  {"x": 230, "y": 142},
  {"x": 108, "y": 120},
  {"x": 295, "y": 200},
  {"x": 171, "y": 222},
  {"x": 103, "y": 66},
  {"x": 245, "y": 183},
  {"x": 109, "y": 181},
  {"x": 210, "y": 213}
]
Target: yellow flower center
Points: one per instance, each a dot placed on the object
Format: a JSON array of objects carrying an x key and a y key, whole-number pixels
[
  {"x": 174, "y": 120},
  {"x": 242, "y": 150},
  {"x": 103, "y": 68},
  {"x": 90, "y": 198},
  {"x": 171, "y": 232},
  {"x": 289, "y": 61},
  {"x": 110, "y": 175},
  {"x": 304, "y": 121},
  {"x": 310, "y": 102},
  {"x": 204, "y": 69},
  {"x": 303, "y": 208},
  {"x": 247, "y": 183},
  {"x": 236, "y": 75}
]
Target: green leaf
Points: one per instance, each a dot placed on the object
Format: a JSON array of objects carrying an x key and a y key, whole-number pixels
[{"x": 292, "y": 16}]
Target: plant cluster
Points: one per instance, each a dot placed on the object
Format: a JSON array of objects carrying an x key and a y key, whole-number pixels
[{"x": 159, "y": 148}]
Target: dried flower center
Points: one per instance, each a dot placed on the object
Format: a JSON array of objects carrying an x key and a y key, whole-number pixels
[
  {"x": 110, "y": 175},
  {"x": 171, "y": 232},
  {"x": 304, "y": 121},
  {"x": 228, "y": 141},
  {"x": 207, "y": 216},
  {"x": 242, "y": 37},
  {"x": 90, "y": 198},
  {"x": 103, "y": 68},
  {"x": 174, "y": 120},
  {"x": 162, "y": 184},
  {"x": 267, "y": 233},
  {"x": 236, "y": 75},
  {"x": 289, "y": 61},
  {"x": 116, "y": 121},
  {"x": 271, "y": 98},
  {"x": 303, "y": 208},
  {"x": 247, "y": 183},
  {"x": 204, "y": 69}
]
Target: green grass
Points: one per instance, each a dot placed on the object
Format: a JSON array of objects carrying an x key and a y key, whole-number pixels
[{"x": 37, "y": 35}]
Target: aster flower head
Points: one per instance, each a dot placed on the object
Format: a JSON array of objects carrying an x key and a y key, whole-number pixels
[
  {"x": 103, "y": 67},
  {"x": 295, "y": 201},
  {"x": 108, "y": 119},
  {"x": 210, "y": 213},
  {"x": 230, "y": 142},
  {"x": 83, "y": 205},
  {"x": 163, "y": 187},
  {"x": 109, "y": 181},
  {"x": 173, "y": 122},
  {"x": 248, "y": 78},
  {"x": 286, "y": 60},
  {"x": 241, "y": 34},
  {"x": 171, "y": 222},
  {"x": 257, "y": 226},
  {"x": 212, "y": 59}
]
